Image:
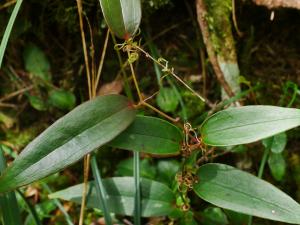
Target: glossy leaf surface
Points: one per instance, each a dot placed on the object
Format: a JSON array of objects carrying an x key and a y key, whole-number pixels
[
  {"x": 233, "y": 189},
  {"x": 157, "y": 198},
  {"x": 247, "y": 124},
  {"x": 79, "y": 132},
  {"x": 122, "y": 16},
  {"x": 151, "y": 135}
]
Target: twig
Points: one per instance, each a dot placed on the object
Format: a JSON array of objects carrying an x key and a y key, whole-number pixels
[
  {"x": 16, "y": 93},
  {"x": 240, "y": 34},
  {"x": 134, "y": 79},
  {"x": 176, "y": 120},
  {"x": 158, "y": 73},
  {"x": 171, "y": 72},
  {"x": 202, "y": 58},
  {"x": 7, "y": 105},
  {"x": 7, "y": 4},
  {"x": 92, "y": 54},
  {"x": 211, "y": 152},
  {"x": 87, "y": 67},
  {"x": 122, "y": 71},
  {"x": 86, "y": 59},
  {"x": 86, "y": 170},
  {"x": 18, "y": 81},
  {"x": 141, "y": 99},
  {"x": 202, "y": 15},
  {"x": 151, "y": 96},
  {"x": 101, "y": 60},
  {"x": 204, "y": 157}
]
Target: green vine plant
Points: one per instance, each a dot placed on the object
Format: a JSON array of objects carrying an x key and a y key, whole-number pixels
[
  {"x": 134, "y": 48},
  {"x": 187, "y": 177},
  {"x": 112, "y": 121}
]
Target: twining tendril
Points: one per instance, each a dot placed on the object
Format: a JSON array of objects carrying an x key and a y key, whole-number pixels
[
  {"x": 186, "y": 179},
  {"x": 133, "y": 48},
  {"x": 191, "y": 141},
  {"x": 165, "y": 64},
  {"x": 129, "y": 46},
  {"x": 133, "y": 56}
]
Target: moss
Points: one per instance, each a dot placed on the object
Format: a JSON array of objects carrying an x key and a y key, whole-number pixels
[
  {"x": 219, "y": 24},
  {"x": 193, "y": 106},
  {"x": 6, "y": 120},
  {"x": 19, "y": 139}
]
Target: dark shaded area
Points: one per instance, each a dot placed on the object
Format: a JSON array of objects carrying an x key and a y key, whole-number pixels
[{"x": 268, "y": 54}]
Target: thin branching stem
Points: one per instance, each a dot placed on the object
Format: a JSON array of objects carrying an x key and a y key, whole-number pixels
[
  {"x": 7, "y": 4},
  {"x": 16, "y": 93},
  {"x": 86, "y": 59},
  {"x": 88, "y": 74},
  {"x": 170, "y": 71},
  {"x": 7, "y": 105},
  {"x": 134, "y": 79},
  {"x": 127, "y": 88},
  {"x": 92, "y": 54},
  {"x": 101, "y": 61},
  {"x": 141, "y": 99},
  {"x": 203, "y": 65},
  {"x": 86, "y": 168},
  {"x": 158, "y": 72},
  {"x": 236, "y": 27},
  {"x": 160, "y": 112}
]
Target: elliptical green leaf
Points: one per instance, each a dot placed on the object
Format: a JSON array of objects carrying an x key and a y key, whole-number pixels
[
  {"x": 151, "y": 135},
  {"x": 123, "y": 17},
  {"x": 157, "y": 198},
  {"x": 76, "y": 134},
  {"x": 247, "y": 124},
  {"x": 233, "y": 189}
]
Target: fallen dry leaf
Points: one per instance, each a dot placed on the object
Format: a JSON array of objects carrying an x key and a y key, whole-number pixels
[{"x": 114, "y": 87}]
